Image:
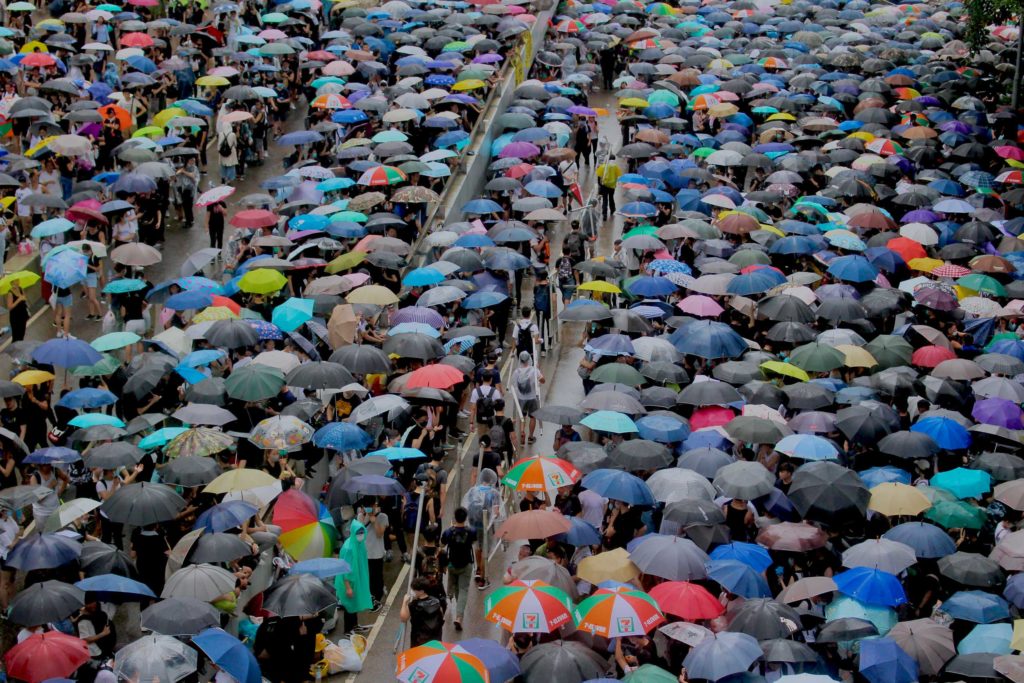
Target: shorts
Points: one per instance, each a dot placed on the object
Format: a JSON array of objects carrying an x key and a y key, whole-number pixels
[
  {"x": 530, "y": 406},
  {"x": 91, "y": 280},
  {"x": 567, "y": 291},
  {"x": 65, "y": 301},
  {"x": 137, "y": 326}
]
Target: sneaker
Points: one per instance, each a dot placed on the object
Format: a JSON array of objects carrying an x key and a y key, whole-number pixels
[
  {"x": 405, "y": 558},
  {"x": 362, "y": 628},
  {"x": 463, "y": 413},
  {"x": 377, "y": 606},
  {"x": 389, "y": 556}
]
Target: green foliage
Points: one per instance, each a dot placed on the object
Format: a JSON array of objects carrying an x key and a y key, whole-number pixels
[{"x": 984, "y": 13}]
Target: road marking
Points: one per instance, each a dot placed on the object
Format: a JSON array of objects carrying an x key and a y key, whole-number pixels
[{"x": 378, "y": 625}]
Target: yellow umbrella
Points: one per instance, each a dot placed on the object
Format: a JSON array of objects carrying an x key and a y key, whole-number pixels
[
  {"x": 166, "y": 115},
  {"x": 211, "y": 313},
  {"x": 27, "y": 378},
  {"x": 785, "y": 369},
  {"x": 372, "y": 294},
  {"x": 893, "y": 499},
  {"x": 600, "y": 286},
  {"x": 212, "y": 81},
  {"x": 772, "y": 229},
  {"x": 33, "y": 46},
  {"x": 469, "y": 84},
  {"x": 23, "y": 278},
  {"x": 925, "y": 265},
  {"x": 1017, "y": 642},
  {"x": 148, "y": 131},
  {"x": 856, "y": 357},
  {"x": 356, "y": 142},
  {"x": 862, "y": 135},
  {"x": 7, "y": 202},
  {"x": 262, "y": 281},
  {"x": 633, "y": 102},
  {"x": 346, "y": 261},
  {"x": 613, "y": 565},
  {"x": 239, "y": 480},
  {"x": 781, "y": 116},
  {"x": 40, "y": 146}
]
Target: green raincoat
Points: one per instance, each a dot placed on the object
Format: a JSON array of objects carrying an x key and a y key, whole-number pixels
[{"x": 353, "y": 551}]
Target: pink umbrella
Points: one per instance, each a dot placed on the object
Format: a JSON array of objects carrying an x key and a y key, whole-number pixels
[
  {"x": 364, "y": 244},
  {"x": 214, "y": 195},
  {"x": 520, "y": 150},
  {"x": 272, "y": 34},
  {"x": 339, "y": 68},
  {"x": 700, "y": 306},
  {"x": 711, "y": 416}
]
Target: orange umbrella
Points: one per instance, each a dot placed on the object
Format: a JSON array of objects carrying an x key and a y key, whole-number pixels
[{"x": 124, "y": 119}]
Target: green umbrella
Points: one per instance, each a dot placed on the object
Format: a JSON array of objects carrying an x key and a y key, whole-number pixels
[
  {"x": 956, "y": 514},
  {"x": 114, "y": 341},
  {"x": 254, "y": 382},
  {"x": 642, "y": 230},
  {"x": 648, "y": 673},
  {"x": 817, "y": 357},
  {"x": 105, "y": 366},
  {"x": 274, "y": 18},
  {"x": 890, "y": 351},
  {"x": 752, "y": 429},
  {"x": 620, "y": 373},
  {"x": 980, "y": 282},
  {"x": 275, "y": 49}
]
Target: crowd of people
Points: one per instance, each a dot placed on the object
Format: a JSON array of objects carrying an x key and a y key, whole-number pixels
[{"x": 753, "y": 264}]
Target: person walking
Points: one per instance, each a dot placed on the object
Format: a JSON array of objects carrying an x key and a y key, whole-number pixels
[
  {"x": 215, "y": 214},
  {"x": 608, "y": 175},
  {"x": 526, "y": 380},
  {"x": 458, "y": 540}
]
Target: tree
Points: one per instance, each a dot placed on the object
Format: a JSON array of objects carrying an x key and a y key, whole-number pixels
[{"x": 981, "y": 14}]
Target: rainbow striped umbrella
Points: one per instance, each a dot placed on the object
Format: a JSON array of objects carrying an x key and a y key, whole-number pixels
[
  {"x": 529, "y": 607},
  {"x": 307, "y": 530},
  {"x": 541, "y": 473},
  {"x": 619, "y": 612},
  {"x": 381, "y": 175},
  {"x": 437, "y": 662}
]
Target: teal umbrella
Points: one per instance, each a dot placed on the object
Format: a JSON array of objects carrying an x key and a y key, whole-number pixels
[
  {"x": 882, "y": 617},
  {"x": 114, "y": 341},
  {"x": 964, "y": 483},
  {"x": 123, "y": 286},
  {"x": 292, "y": 313},
  {"x": 160, "y": 437},
  {"x": 93, "y": 419},
  {"x": 106, "y": 365},
  {"x": 817, "y": 357},
  {"x": 254, "y": 382},
  {"x": 609, "y": 421}
]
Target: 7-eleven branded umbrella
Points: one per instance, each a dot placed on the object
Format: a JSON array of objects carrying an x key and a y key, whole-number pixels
[
  {"x": 307, "y": 530},
  {"x": 618, "y": 613},
  {"x": 381, "y": 175},
  {"x": 541, "y": 473},
  {"x": 529, "y": 607},
  {"x": 438, "y": 662}
]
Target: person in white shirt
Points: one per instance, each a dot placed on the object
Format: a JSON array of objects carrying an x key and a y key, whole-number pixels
[{"x": 526, "y": 380}]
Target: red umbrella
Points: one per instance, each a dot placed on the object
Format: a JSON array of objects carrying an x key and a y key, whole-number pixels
[
  {"x": 86, "y": 210},
  {"x": 136, "y": 40},
  {"x": 907, "y": 248},
  {"x": 686, "y": 600},
  {"x": 46, "y": 655},
  {"x": 254, "y": 218},
  {"x": 711, "y": 416},
  {"x": 226, "y": 303},
  {"x": 533, "y": 524},
  {"x": 796, "y": 537},
  {"x": 435, "y": 376},
  {"x": 930, "y": 356},
  {"x": 38, "y": 59}
]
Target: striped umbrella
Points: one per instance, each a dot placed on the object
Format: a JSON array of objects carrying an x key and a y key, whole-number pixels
[
  {"x": 307, "y": 529},
  {"x": 529, "y": 607},
  {"x": 379, "y": 176},
  {"x": 541, "y": 473},
  {"x": 438, "y": 662},
  {"x": 618, "y": 612}
]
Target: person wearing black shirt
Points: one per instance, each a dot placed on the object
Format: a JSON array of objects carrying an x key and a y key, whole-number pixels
[
  {"x": 423, "y": 612},
  {"x": 491, "y": 458},
  {"x": 215, "y": 223}
]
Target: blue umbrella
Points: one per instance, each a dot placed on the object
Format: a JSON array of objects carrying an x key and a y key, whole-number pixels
[
  {"x": 399, "y": 453},
  {"x": 964, "y": 483},
  {"x": 651, "y": 285},
  {"x": 54, "y": 226},
  {"x": 506, "y": 259},
  {"x": 134, "y": 183},
  {"x": 638, "y": 209},
  {"x": 423, "y": 277},
  {"x": 414, "y": 328},
  {"x": 112, "y": 587},
  {"x": 619, "y": 485},
  {"x": 708, "y": 339},
  {"x": 474, "y": 241},
  {"x": 871, "y": 586},
  {"x": 160, "y": 437},
  {"x": 342, "y": 436},
  {"x": 43, "y": 551},
  {"x": 66, "y": 352},
  {"x": 65, "y": 269},
  {"x": 501, "y": 664},
  {"x": 739, "y": 578},
  {"x": 948, "y": 434},
  {"x": 54, "y": 455},
  {"x": 976, "y": 606},
  {"x": 884, "y": 259},
  {"x": 123, "y": 286},
  {"x": 292, "y": 313},
  {"x": 87, "y": 420},
  {"x": 987, "y": 638},
  {"x": 87, "y": 398},
  {"x": 229, "y": 654},
  {"x": 662, "y": 429},
  {"x": 887, "y": 474},
  {"x": 543, "y": 188},
  {"x": 723, "y": 655},
  {"x": 1014, "y": 591},
  {"x": 322, "y": 567},
  {"x": 755, "y": 282},
  {"x": 610, "y": 421},
  {"x": 853, "y": 269},
  {"x": 481, "y": 206},
  {"x": 202, "y": 357},
  {"x": 580, "y": 533},
  {"x": 373, "y": 485},
  {"x": 226, "y": 515},
  {"x": 300, "y": 137},
  {"x": 613, "y": 344},
  {"x": 795, "y": 244},
  {"x": 188, "y": 300},
  {"x": 194, "y": 108},
  {"x": 807, "y": 447},
  {"x": 883, "y": 661},
  {"x": 927, "y": 540},
  {"x": 749, "y": 554},
  {"x": 483, "y": 299}
]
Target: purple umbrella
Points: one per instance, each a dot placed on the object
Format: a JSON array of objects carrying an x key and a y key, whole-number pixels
[
  {"x": 998, "y": 411},
  {"x": 921, "y": 216},
  {"x": 520, "y": 150},
  {"x": 937, "y": 299},
  {"x": 418, "y": 314}
]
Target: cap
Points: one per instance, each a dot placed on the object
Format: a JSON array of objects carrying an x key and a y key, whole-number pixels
[{"x": 524, "y": 357}]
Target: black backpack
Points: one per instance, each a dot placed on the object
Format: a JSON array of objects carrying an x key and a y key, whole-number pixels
[
  {"x": 460, "y": 548},
  {"x": 524, "y": 338},
  {"x": 224, "y": 148},
  {"x": 574, "y": 243},
  {"x": 427, "y": 618},
  {"x": 485, "y": 405}
]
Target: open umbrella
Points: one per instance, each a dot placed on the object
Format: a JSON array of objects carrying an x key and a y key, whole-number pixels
[
  {"x": 229, "y": 654},
  {"x": 307, "y": 529},
  {"x": 45, "y": 656},
  {"x": 618, "y": 613},
  {"x": 44, "y": 602},
  {"x": 529, "y": 607},
  {"x": 179, "y": 616},
  {"x": 156, "y": 658}
]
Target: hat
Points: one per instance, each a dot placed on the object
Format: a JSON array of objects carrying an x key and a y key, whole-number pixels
[{"x": 524, "y": 357}]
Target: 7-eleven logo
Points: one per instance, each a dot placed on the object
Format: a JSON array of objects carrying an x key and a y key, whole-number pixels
[
  {"x": 531, "y": 621},
  {"x": 418, "y": 676}
]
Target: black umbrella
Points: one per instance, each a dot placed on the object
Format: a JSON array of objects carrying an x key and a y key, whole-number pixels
[
  {"x": 745, "y": 480},
  {"x": 587, "y": 456},
  {"x": 232, "y": 334},
  {"x": 101, "y": 558},
  {"x": 974, "y": 665},
  {"x": 864, "y": 424},
  {"x": 44, "y": 602},
  {"x": 1002, "y": 466},
  {"x": 143, "y": 503},
  {"x": 791, "y": 332},
  {"x": 763, "y": 393},
  {"x": 298, "y": 595},
  {"x": 110, "y": 456},
  {"x": 319, "y": 375},
  {"x": 190, "y": 471},
  {"x": 694, "y": 511},
  {"x": 846, "y": 628},
  {"x": 563, "y": 661},
  {"x": 785, "y": 308},
  {"x": 23, "y": 495},
  {"x": 808, "y": 396},
  {"x": 179, "y": 616},
  {"x": 784, "y": 651},
  {"x": 562, "y": 415},
  {"x": 824, "y": 490},
  {"x": 764, "y": 618},
  {"x": 908, "y": 445},
  {"x": 413, "y": 345},
  {"x": 971, "y": 569},
  {"x": 209, "y": 391},
  {"x": 362, "y": 359},
  {"x": 641, "y": 454},
  {"x": 709, "y": 393},
  {"x": 705, "y": 460},
  {"x": 219, "y": 547}
]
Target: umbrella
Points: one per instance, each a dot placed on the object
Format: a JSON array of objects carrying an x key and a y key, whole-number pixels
[
  {"x": 299, "y": 595},
  {"x": 929, "y": 643},
  {"x": 200, "y": 581},
  {"x": 618, "y": 485},
  {"x": 45, "y": 656},
  {"x": 528, "y": 607},
  {"x": 971, "y": 569},
  {"x": 882, "y": 659},
  {"x": 738, "y": 578},
  {"x": 142, "y": 504},
  {"x": 179, "y": 616},
  {"x": 823, "y": 490},
  {"x": 229, "y": 654},
  {"x": 723, "y": 655},
  {"x": 157, "y": 658},
  {"x": 42, "y": 551},
  {"x": 871, "y": 586},
  {"x": 744, "y": 480},
  {"x": 307, "y": 529},
  {"x": 618, "y": 613},
  {"x": 888, "y": 555},
  {"x": 501, "y": 664},
  {"x": 44, "y": 602},
  {"x": 562, "y": 660},
  {"x": 927, "y": 540},
  {"x": 686, "y": 600}
]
